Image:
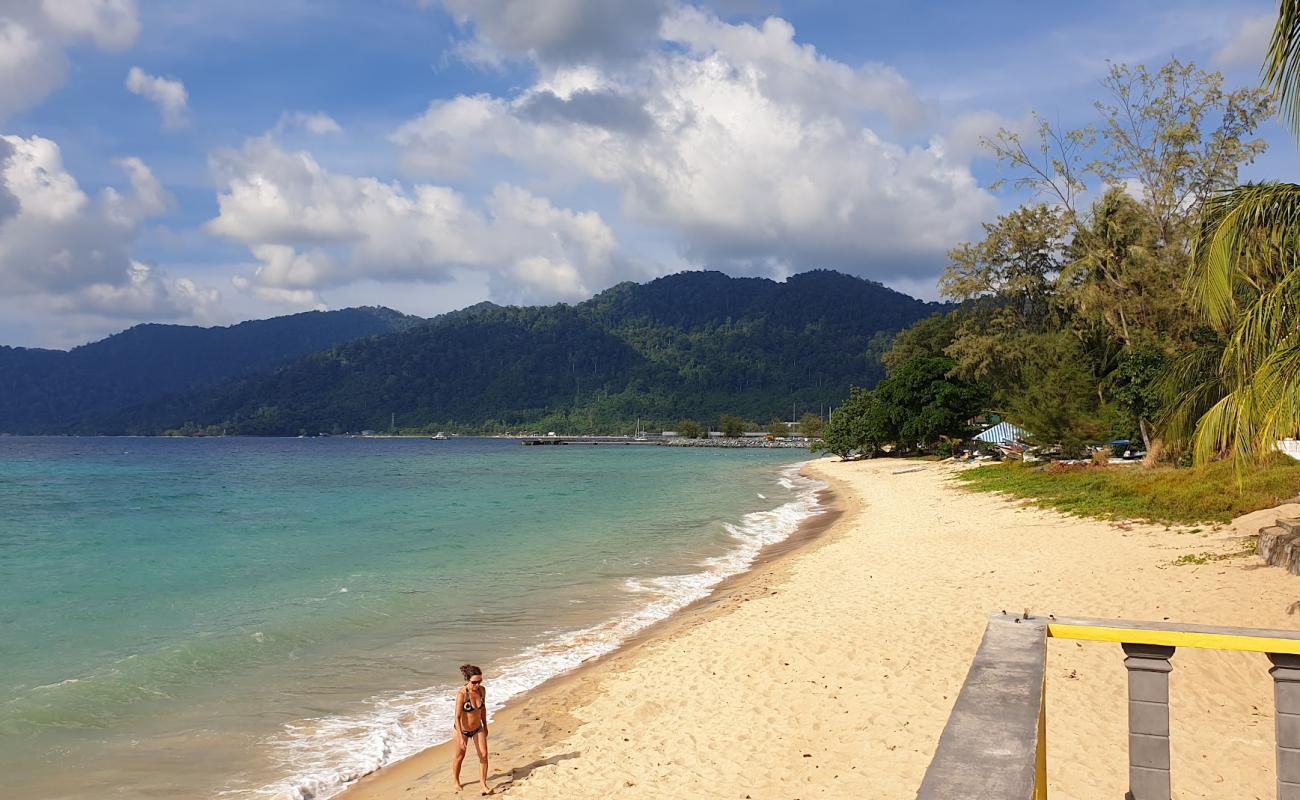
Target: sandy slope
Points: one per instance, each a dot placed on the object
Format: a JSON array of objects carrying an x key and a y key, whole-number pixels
[{"x": 831, "y": 673}]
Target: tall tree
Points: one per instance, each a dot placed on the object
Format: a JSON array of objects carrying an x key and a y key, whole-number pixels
[
  {"x": 1166, "y": 142},
  {"x": 928, "y": 337},
  {"x": 1007, "y": 283},
  {"x": 923, "y": 403},
  {"x": 857, "y": 425}
]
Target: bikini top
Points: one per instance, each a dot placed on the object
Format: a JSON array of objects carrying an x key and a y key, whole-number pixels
[{"x": 469, "y": 703}]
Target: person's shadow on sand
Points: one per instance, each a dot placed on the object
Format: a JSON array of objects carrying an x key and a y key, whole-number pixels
[{"x": 514, "y": 774}]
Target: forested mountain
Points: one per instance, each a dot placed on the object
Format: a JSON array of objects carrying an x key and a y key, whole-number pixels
[
  {"x": 57, "y": 391},
  {"x": 695, "y": 344}
]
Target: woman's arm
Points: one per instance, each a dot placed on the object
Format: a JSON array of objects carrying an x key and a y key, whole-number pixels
[
  {"x": 484, "y": 691},
  {"x": 455, "y": 711}
]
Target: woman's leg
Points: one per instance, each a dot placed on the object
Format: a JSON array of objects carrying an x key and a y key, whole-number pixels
[
  {"x": 480, "y": 744},
  {"x": 461, "y": 743}
]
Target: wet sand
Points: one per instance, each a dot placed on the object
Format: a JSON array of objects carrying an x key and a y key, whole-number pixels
[{"x": 829, "y": 669}]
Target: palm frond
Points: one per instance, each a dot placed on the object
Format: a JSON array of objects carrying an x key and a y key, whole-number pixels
[
  {"x": 1217, "y": 430},
  {"x": 1189, "y": 386},
  {"x": 1233, "y": 222},
  {"x": 1282, "y": 64},
  {"x": 1278, "y": 384},
  {"x": 1268, "y": 321}
]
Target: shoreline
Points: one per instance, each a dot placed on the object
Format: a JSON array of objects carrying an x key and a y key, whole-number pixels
[
  {"x": 830, "y": 669},
  {"x": 539, "y": 717}
]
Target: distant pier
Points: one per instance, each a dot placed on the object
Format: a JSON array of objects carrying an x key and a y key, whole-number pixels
[
  {"x": 661, "y": 441},
  {"x": 560, "y": 440}
]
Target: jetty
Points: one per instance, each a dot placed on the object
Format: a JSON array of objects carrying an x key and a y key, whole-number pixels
[
  {"x": 537, "y": 441},
  {"x": 665, "y": 441}
]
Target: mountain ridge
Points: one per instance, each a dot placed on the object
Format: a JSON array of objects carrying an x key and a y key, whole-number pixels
[
  {"x": 46, "y": 391},
  {"x": 693, "y": 344}
]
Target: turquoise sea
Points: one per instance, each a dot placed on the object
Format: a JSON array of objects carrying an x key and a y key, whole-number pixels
[{"x": 277, "y": 617}]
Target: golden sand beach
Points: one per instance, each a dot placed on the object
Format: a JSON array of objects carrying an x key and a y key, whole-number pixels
[{"x": 830, "y": 669}]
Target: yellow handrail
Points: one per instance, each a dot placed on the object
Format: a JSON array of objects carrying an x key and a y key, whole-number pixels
[{"x": 1175, "y": 635}]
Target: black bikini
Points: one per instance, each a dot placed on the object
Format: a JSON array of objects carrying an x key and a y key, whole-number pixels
[{"x": 470, "y": 708}]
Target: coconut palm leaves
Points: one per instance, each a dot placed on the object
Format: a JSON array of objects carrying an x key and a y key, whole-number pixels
[
  {"x": 1245, "y": 278},
  {"x": 1241, "y": 393},
  {"x": 1282, "y": 64}
]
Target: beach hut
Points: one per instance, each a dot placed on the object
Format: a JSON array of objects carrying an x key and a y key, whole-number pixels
[
  {"x": 1006, "y": 437},
  {"x": 1002, "y": 435}
]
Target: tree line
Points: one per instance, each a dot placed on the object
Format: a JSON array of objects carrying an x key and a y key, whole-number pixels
[
  {"x": 810, "y": 425},
  {"x": 1138, "y": 293}
]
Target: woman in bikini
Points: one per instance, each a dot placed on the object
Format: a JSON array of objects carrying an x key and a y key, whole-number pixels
[{"x": 471, "y": 723}]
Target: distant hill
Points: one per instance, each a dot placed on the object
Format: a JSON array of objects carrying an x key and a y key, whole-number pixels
[
  {"x": 695, "y": 344},
  {"x": 56, "y": 391},
  {"x": 691, "y": 345}
]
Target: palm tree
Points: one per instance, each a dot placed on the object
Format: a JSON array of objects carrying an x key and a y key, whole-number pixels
[{"x": 1241, "y": 393}]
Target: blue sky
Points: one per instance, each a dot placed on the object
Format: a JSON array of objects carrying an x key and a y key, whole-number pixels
[{"x": 203, "y": 163}]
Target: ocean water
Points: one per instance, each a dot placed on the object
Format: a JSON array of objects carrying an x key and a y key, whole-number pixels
[{"x": 274, "y": 618}]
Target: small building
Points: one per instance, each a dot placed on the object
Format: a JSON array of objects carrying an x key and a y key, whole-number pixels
[{"x": 1003, "y": 435}]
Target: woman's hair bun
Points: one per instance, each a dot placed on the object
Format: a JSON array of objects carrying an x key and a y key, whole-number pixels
[{"x": 469, "y": 670}]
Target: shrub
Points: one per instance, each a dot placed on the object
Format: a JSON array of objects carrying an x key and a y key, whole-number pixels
[{"x": 732, "y": 426}]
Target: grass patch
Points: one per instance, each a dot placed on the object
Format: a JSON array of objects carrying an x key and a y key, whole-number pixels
[
  {"x": 1246, "y": 548},
  {"x": 1204, "y": 494}
]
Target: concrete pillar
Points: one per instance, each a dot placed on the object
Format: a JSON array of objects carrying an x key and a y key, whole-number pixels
[
  {"x": 1148, "y": 720},
  {"x": 1286, "y": 698}
]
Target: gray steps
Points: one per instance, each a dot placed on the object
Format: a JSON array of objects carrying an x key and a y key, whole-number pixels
[{"x": 1279, "y": 545}]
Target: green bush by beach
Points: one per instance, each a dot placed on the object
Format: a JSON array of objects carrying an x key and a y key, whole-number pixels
[{"x": 1209, "y": 493}]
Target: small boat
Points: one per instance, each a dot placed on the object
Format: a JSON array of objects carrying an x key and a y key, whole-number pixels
[{"x": 439, "y": 436}]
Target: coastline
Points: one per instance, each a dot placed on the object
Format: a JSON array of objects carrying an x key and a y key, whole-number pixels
[
  {"x": 829, "y": 670},
  {"x": 531, "y": 723}
]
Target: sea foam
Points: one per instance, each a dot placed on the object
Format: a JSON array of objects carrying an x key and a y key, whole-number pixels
[{"x": 322, "y": 756}]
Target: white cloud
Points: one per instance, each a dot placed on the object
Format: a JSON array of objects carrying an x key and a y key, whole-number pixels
[
  {"x": 67, "y": 251},
  {"x": 557, "y": 31},
  {"x": 297, "y": 298},
  {"x": 795, "y": 75},
  {"x": 146, "y": 293},
  {"x": 167, "y": 93},
  {"x": 311, "y": 229},
  {"x": 34, "y": 35},
  {"x": 964, "y": 140},
  {"x": 29, "y": 67},
  {"x": 1248, "y": 45},
  {"x": 755, "y": 152},
  {"x": 112, "y": 24},
  {"x": 316, "y": 124}
]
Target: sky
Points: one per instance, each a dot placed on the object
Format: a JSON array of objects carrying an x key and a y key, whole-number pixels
[{"x": 207, "y": 163}]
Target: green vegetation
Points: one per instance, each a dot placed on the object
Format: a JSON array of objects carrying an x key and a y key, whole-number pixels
[
  {"x": 918, "y": 406},
  {"x": 1164, "y": 310},
  {"x": 694, "y": 345},
  {"x": 811, "y": 426},
  {"x": 1171, "y": 495},
  {"x": 1240, "y": 391},
  {"x": 1168, "y": 309},
  {"x": 53, "y": 391},
  {"x": 1081, "y": 306},
  {"x": 1247, "y": 547},
  {"x": 691, "y": 429},
  {"x": 732, "y": 426}
]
